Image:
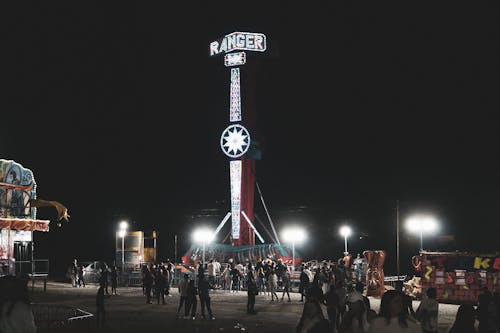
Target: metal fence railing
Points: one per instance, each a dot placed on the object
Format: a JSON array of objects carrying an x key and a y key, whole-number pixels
[
  {"x": 56, "y": 318},
  {"x": 36, "y": 266}
]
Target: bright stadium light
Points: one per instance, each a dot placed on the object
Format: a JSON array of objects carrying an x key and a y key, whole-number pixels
[
  {"x": 422, "y": 224},
  {"x": 204, "y": 236},
  {"x": 345, "y": 231},
  {"x": 121, "y": 233},
  {"x": 293, "y": 235}
]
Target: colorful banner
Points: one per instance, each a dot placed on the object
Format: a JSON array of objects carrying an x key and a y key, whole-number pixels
[
  {"x": 464, "y": 262},
  {"x": 235, "y": 177},
  {"x": 24, "y": 224},
  {"x": 17, "y": 187}
]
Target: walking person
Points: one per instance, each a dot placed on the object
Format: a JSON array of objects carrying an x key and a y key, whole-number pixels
[
  {"x": 427, "y": 312},
  {"x": 183, "y": 284},
  {"x": 273, "y": 285},
  {"x": 114, "y": 280},
  {"x": 100, "y": 313},
  {"x": 286, "y": 285},
  {"x": 203, "y": 291}
]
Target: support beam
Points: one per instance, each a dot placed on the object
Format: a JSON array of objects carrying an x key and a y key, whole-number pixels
[
  {"x": 224, "y": 220},
  {"x": 253, "y": 227},
  {"x": 267, "y": 212},
  {"x": 265, "y": 229}
]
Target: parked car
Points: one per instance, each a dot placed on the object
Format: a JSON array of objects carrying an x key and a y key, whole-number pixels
[{"x": 92, "y": 270}]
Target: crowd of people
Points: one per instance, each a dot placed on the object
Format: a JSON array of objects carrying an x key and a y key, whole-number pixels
[{"x": 333, "y": 297}]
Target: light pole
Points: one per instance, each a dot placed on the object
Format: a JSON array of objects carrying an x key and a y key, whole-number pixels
[
  {"x": 345, "y": 231},
  {"x": 293, "y": 235},
  {"x": 421, "y": 224},
  {"x": 204, "y": 236},
  {"x": 121, "y": 233}
]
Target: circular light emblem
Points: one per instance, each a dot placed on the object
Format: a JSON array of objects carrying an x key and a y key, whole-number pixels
[{"x": 235, "y": 141}]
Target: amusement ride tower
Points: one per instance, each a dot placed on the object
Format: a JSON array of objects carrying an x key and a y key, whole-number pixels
[{"x": 235, "y": 139}]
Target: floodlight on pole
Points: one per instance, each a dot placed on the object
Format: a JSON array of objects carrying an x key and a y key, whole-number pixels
[
  {"x": 204, "y": 236},
  {"x": 121, "y": 233},
  {"x": 345, "y": 231},
  {"x": 422, "y": 224},
  {"x": 293, "y": 235}
]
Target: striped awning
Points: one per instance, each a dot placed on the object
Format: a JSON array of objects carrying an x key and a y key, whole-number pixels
[{"x": 24, "y": 224}]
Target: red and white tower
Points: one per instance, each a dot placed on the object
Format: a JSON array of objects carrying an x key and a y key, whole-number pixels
[{"x": 235, "y": 139}]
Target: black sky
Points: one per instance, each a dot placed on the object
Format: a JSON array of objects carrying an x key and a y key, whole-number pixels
[{"x": 119, "y": 110}]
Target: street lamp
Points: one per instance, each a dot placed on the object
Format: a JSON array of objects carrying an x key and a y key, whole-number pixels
[
  {"x": 345, "y": 231},
  {"x": 204, "y": 236},
  {"x": 121, "y": 233},
  {"x": 421, "y": 224},
  {"x": 293, "y": 235}
]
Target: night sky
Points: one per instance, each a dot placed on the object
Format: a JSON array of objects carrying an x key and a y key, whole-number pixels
[{"x": 118, "y": 111}]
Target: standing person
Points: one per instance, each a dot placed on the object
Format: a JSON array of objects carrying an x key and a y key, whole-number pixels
[
  {"x": 235, "y": 274},
  {"x": 315, "y": 292},
  {"x": 393, "y": 318},
  {"x": 312, "y": 319},
  {"x": 171, "y": 271},
  {"x": 427, "y": 312},
  {"x": 486, "y": 312},
  {"x": 356, "y": 294},
  {"x": 104, "y": 277},
  {"x": 342, "y": 296},
  {"x": 309, "y": 273},
  {"x": 260, "y": 278},
  {"x": 227, "y": 276},
  {"x": 100, "y": 314},
  {"x": 191, "y": 301},
  {"x": 304, "y": 283},
  {"x": 331, "y": 300},
  {"x": 465, "y": 321},
  {"x": 273, "y": 284},
  {"x": 81, "y": 281},
  {"x": 217, "y": 273},
  {"x": 358, "y": 267},
  {"x": 166, "y": 279},
  {"x": 286, "y": 285},
  {"x": 147, "y": 282},
  {"x": 16, "y": 314},
  {"x": 160, "y": 283},
  {"x": 252, "y": 290},
  {"x": 240, "y": 268},
  {"x": 355, "y": 320},
  {"x": 114, "y": 280},
  {"x": 74, "y": 273},
  {"x": 211, "y": 272},
  {"x": 183, "y": 284},
  {"x": 204, "y": 294}
]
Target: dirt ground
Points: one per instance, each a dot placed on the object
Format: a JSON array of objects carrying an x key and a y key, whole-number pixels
[{"x": 128, "y": 311}]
